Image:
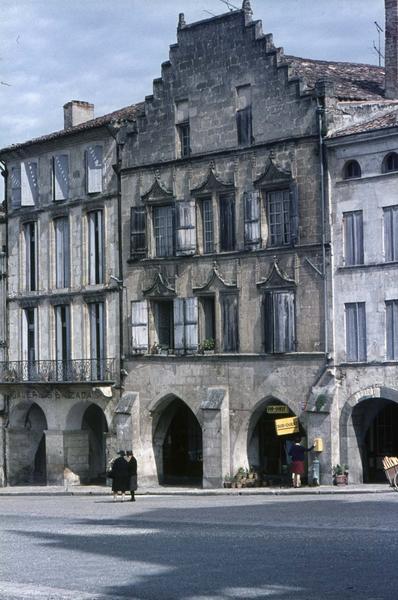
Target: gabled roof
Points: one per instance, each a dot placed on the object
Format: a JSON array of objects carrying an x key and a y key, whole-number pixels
[
  {"x": 352, "y": 81},
  {"x": 129, "y": 112},
  {"x": 384, "y": 122}
]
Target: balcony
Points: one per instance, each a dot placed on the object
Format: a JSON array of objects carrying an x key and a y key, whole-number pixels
[{"x": 58, "y": 371}]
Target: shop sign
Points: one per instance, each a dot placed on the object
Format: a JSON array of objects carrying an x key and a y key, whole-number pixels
[
  {"x": 287, "y": 426},
  {"x": 277, "y": 409}
]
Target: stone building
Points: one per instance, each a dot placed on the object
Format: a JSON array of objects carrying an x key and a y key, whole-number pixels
[{"x": 206, "y": 287}]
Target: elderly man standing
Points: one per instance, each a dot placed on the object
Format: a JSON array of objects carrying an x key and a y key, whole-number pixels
[
  {"x": 132, "y": 465},
  {"x": 120, "y": 476}
]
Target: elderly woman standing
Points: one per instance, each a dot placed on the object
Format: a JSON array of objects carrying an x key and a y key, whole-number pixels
[
  {"x": 132, "y": 465},
  {"x": 120, "y": 476},
  {"x": 297, "y": 453}
]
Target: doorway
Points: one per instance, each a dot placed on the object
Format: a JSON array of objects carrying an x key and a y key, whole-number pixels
[
  {"x": 381, "y": 436},
  {"x": 94, "y": 422}
]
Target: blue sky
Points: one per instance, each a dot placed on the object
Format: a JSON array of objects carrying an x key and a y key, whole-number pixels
[{"x": 108, "y": 51}]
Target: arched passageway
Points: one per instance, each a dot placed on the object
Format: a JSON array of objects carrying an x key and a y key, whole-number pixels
[
  {"x": 36, "y": 424},
  {"x": 178, "y": 445},
  {"x": 94, "y": 422},
  {"x": 268, "y": 452},
  {"x": 375, "y": 422}
]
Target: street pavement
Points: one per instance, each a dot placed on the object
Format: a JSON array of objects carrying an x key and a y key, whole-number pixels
[{"x": 220, "y": 547}]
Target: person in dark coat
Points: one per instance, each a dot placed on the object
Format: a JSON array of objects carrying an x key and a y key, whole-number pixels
[
  {"x": 297, "y": 454},
  {"x": 120, "y": 476},
  {"x": 132, "y": 465}
]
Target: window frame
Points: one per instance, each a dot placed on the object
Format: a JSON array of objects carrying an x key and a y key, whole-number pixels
[
  {"x": 62, "y": 277},
  {"x": 359, "y": 352},
  {"x": 270, "y": 343},
  {"x": 31, "y": 255},
  {"x": 353, "y": 238},
  {"x": 96, "y": 246},
  {"x": 285, "y": 223},
  {"x": 390, "y": 233},
  {"x": 352, "y": 170}
]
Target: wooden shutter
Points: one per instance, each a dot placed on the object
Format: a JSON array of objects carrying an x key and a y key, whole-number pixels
[
  {"x": 24, "y": 340},
  {"x": 179, "y": 324},
  {"x": 29, "y": 185},
  {"x": 59, "y": 252},
  {"x": 94, "y": 163},
  {"x": 252, "y": 220},
  {"x": 61, "y": 176},
  {"x": 361, "y": 318},
  {"x": 139, "y": 326},
  {"x": 392, "y": 329},
  {"x": 230, "y": 323},
  {"x": 58, "y": 332},
  {"x": 91, "y": 247},
  {"x": 191, "y": 324},
  {"x": 391, "y": 233},
  {"x": 268, "y": 311},
  {"x": 186, "y": 228},
  {"x": 227, "y": 222},
  {"x": 16, "y": 186},
  {"x": 353, "y": 238},
  {"x": 138, "y": 231},
  {"x": 294, "y": 213},
  {"x": 283, "y": 321}
]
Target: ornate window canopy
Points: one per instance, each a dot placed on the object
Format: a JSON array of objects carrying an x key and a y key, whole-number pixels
[
  {"x": 157, "y": 194},
  {"x": 159, "y": 288},
  {"x": 273, "y": 175},
  {"x": 215, "y": 281},
  {"x": 276, "y": 279},
  {"x": 212, "y": 183}
]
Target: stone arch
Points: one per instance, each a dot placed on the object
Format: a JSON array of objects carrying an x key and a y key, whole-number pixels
[
  {"x": 355, "y": 421},
  {"x": 74, "y": 417},
  {"x": 187, "y": 463}
]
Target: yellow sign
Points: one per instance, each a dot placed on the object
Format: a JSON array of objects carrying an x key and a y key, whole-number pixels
[
  {"x": 277, "y": 409},
  {"x": 286, "y": 426}
]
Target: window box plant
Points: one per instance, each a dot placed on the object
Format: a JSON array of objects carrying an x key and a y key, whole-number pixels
[
  {"x": 340, "y": 474},
  {"x": 207, "y": 346}
]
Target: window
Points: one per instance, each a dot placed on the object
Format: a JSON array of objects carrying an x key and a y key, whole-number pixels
[
  {"x": 353, "y": 238},
  {"x": 164, "y": 229},
  {"x": 390, "y": 214},
  {"x": 60, "y": 177},
  {"x": 164, "y": 323},
  {"x": 16, "y": 187},
  {"x": 279, "y": 321},
  {"x": 186, "y": 228},
  {"x": 29, "y": 339},
  {"x": 355, "y": 331},
  {"x": 351, "y": 170},
  {"x": 138, "y": 231},
  {"x": 392, "y": 329},
  {"x": 206, "y": 206},
  {"x": 186, "y": 324},
  {"x": 227, "y": 221},
  {"x": 96, "y": 247},
  {"x": 29, "y": 183},
  {"x": 278, "y": 207},
  {"x": 390, "y": 163},
  {"x": 183, "y": 129},
  {"x": 252, "y": 220},
  {"x": 244, "y": 115},
  {"x": 230, "y": 322},
  {"x": 207, "y": 318},
  {"x": 94, "y": 167},
  {"x": 62, "y": 340},
  {"x": 139, "y": 326},
  {"x": 97, "y": 339},
  {"x": 30, "y": 230},
  {"x": 62, "y": 264}
]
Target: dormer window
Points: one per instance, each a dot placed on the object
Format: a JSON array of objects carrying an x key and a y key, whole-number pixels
[
  {"x": 352, "y": 170},
  {"x": 183, "y": 129},
  {"x": 390, "y": 163},
  {"x": 244, "y": 115}
]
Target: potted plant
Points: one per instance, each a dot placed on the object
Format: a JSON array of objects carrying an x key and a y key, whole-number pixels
[
  {"x": 228, "y": 481},
  {"x": 340, "y": 474},
  {"x": 208, "y": 345}
]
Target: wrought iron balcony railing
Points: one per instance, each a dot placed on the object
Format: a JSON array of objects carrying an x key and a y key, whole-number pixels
[{"x": 58, "y": 371}]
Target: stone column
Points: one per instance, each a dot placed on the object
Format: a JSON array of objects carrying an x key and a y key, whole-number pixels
[
  {"x": 215, "y": 435},
  {"x": 319, "y": 426},
  {"x": 2, "y": 453},
  {"x": 55, "y": 456}
]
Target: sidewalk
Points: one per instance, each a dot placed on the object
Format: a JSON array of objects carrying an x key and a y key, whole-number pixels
[{"x": 96, "y": 490}]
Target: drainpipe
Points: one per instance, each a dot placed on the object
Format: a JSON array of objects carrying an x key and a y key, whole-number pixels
[{"x": 4, "y": 173}]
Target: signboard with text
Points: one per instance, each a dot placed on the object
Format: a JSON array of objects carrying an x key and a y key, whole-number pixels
[
  {"x": 277, "y": 409},
  {"x": 287, "y": 426}
]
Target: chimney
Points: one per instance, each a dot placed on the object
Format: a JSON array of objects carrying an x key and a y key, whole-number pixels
[
  {"x": 76, "y": 112},
  {"x": 391, "y": 49}
]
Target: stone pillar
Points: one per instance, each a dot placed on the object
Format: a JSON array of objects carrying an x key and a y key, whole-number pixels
[
  {"x": 123, "y": 421},
  {"x": 2, "y": 454},
  {"x": 76, "y": 450},
  {"x": 391, "y": 49},
  {"x": 55, "y": 456},
  {"x": 215, "y": 435},
  {"x": 319, "y": 426}
]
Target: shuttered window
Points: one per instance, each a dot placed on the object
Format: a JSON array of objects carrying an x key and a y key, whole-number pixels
[
  {"x": 279, "y": 321},
  {"x": 62, "y": 252},
  {"x": 183, "y": 128},
  {"x": 164, "y": 228},
  {"x": 244, "y": 115},
  {"x": 94, "y": 169},
  {"x": 392, "y": 329},
  {"x": 62, "y": 332},
  {"x": 391, "y": 233},
  {"x": 61, "y": 177},
  {"x": 139, "y": 326},
  {"x": 29, "y": 183},
  {"x": 186, "y": 324},
  {"x": 227, "y": 222},
  {"x": 252, "y": 220},
  {"x": 16, "y": 186},
  {"x": 30, "y": 235},
  {"x": 353, "y": 238},
  {"x": 164, "y": 323},
  {"x": 208, "y": 225},
  {"x": 355, "y": 322},
  {"x": 96, "y": 247},
  {"x": 278, "y": 208},
  {"x": 138, "y": 231},
  {"x": 29, "y": 339},
  {"x": 186, "y": 228},
  {"x": 230, "y": 322},
  {"x": 97, "y": 339}
]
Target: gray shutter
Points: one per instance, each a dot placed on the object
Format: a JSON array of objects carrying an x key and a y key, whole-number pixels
[
  {"x": 59, "y": 252},
  {"x": 91, "y": 246},
  {"x": 94, "y": 162},
  {"x": 24, "y": 340},
  {"x": 179, "y": 341},
  {"x": 58, "y": 332},
  {"x": 16, "y": 186},
  {"x": 230, "y": 323},
  {"x": 61, "y": 177},
  {"x": 268, "y": 307},
  {"x": 191, "y": 324},
  {"x": 283, "y": 321},
  {"x": 29, "y": 185},
  {"x": 139, "y": 326},
  {"x": 358, "y": 234},
  {"x": 186, "y": 227},
  {"x": 392, "y": 329},
  {"x": 361, "y": 331},
  {"x": 294, "y": 213},
  {"x": 252, "y": 220}
]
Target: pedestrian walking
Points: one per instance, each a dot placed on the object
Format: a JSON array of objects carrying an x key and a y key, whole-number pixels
[
  {"x": 297, "y": 453},
  {"x": 132, "y": 465},
  {"x": 120, "y": 476}
]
